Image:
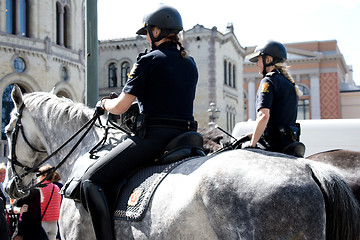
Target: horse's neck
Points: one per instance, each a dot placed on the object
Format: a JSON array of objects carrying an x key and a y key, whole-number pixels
[{"x": 56, "y": 136}]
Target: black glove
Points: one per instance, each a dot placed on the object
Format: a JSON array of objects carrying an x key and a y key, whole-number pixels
[
  {"x": 113, "y": 95},
  {"x": 99, "y": 108}
]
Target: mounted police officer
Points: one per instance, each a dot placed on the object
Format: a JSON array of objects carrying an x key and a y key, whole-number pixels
[
  {"x": 276, "y": 103},
  {"x": 163, "y": 82}
]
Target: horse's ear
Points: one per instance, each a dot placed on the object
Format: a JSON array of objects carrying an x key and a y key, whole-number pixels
[
  {"x": 52, "y": 91},
  {"x": 16, "y": 96}
]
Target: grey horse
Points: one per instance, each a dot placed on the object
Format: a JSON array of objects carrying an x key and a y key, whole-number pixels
[{"x": 238, "y": 194}]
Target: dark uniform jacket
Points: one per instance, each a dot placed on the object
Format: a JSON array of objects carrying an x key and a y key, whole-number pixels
[
  {"x": 278, "y": 94},
  {"x": 164, "y": 83}
]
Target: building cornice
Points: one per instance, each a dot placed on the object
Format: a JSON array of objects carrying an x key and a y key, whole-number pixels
[{"x": 42, "y": 49}]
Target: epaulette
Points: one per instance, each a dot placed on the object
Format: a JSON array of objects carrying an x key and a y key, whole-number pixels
[{"x": 269, "y": 74}]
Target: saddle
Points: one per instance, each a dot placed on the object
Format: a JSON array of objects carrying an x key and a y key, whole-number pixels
[
  {"x": 296, "y": 149},
  {"x": 186, "y": 145}
]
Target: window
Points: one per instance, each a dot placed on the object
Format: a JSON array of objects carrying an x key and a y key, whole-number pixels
[
  {"x": 229, "y": 74},
  {"x": 63, "y": 23},
  {"x": 304, "y": 103},
  {"x": 225, "y": 72},
  {"x": 230, "y": 79},
  {"x": 112, "y": 75},
  {"x": 19, "y": 65},
  {"x": 10, "y": 17},
  {"x": 66, "y": 26},
  {"x": 230, "y": 118},
  {"x": 234, "y": 84},
  {"x": 64, "y": 74},
  {"x": 17, "y": 25},
  {"x": 125, "y": 70}
]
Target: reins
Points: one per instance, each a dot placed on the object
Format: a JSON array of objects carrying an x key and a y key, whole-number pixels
[{"x": 35, "y": 168}]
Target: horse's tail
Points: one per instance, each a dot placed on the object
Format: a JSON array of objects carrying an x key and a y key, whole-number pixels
[{"x": 342, "y": 209}]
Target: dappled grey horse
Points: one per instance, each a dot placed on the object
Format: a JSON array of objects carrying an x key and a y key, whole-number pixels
[
  {"x": 347, "y": 163},
  {"x": 238, "y": 194}
]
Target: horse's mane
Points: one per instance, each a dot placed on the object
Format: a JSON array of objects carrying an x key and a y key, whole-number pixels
[{"x": 52, "y": 109}]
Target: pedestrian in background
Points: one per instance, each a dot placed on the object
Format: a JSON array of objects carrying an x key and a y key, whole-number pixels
[
  {"x": 50, "y": 203},
  {"x": 29, "y": 222}
]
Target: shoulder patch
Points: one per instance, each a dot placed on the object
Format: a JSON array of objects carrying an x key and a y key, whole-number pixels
[
  {"x": 132, "y": 72},
  {"x": 265, "y": 87}
]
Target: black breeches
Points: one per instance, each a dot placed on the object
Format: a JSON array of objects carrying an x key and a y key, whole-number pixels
[{"x": 130, "y": 155}]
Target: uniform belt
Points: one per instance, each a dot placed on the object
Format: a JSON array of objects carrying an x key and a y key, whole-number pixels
[{"x": 172, "y": 123}]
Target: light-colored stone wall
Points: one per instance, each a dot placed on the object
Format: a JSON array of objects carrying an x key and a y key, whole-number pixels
[
  {"x": 350, "y": 104},
  {"x": 44, "y": 59},
  {"x": 209, "y": 48}
]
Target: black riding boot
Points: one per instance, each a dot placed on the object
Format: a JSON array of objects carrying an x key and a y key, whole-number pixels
[{"x": 97, "y": 205}]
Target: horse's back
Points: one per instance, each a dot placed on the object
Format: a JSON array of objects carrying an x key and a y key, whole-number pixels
[{"x": 234, "y": 195}]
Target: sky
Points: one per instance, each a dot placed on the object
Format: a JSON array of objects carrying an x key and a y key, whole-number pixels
[{"x": 254, "y": 21}]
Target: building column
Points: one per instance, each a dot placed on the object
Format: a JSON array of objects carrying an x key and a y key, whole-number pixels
[
  {"x": 315, "y": 96},
  {"x": 252, "y": 99},
  {"x": 33, "y": 19},
  {"x": 2, "y": 16}
]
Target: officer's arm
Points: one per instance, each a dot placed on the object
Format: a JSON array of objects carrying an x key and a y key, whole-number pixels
[
  {"x": 120, "y": 104},
  {"x": 261, "y": 123}
]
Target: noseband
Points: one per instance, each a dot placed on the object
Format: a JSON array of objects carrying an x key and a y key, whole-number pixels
[{"x": 28, "y": 170}]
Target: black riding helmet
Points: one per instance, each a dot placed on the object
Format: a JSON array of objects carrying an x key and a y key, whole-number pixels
[
  {"x": 272, "y": 48},
  {"x": 167, "y": 18}
]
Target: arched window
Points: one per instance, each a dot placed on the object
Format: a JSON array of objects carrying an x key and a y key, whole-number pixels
[
  {"x": 17, "y": 17},
  {"x": 64, "y": 74},
  {"x": 234, "y": 77},
  {"x": 230, "y": 72},
  {"x": 225, "y": 72},
  {"x": 303, "y": 104},
  {"x": 125, "y": 70},
  {"x": 66, "y": 26},
  {"x": 10, "y": 15},
  {"x": 112, "y": 75},
  {"x": 63, "y": 24},
  {"x": 230, "y": 118},
  {"x": 58, "y": 23}
]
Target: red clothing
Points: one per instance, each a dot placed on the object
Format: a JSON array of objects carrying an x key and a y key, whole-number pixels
[{"x": 53, "y": 211}]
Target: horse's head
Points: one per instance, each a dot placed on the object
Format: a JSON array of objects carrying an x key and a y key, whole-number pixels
[{"x": 27, "y": 148}]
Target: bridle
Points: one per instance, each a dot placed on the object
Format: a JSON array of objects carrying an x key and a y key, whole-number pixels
[{"x": 28, "y": 170}]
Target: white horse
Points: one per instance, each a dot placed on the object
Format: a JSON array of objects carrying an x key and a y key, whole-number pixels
[{"x": 239, "y": 194}]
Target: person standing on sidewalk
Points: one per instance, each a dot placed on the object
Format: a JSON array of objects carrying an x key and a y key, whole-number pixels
[{"x": 50, "y": 203}]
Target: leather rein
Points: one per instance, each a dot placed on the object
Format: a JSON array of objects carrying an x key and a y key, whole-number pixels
[{"x": 28, "y": 170}]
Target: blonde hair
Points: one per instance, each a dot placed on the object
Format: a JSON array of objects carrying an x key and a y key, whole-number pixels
[{"x": 282, "y": 67}]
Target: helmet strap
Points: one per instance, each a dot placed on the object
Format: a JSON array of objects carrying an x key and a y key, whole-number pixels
[
  {"x": 163, "y": 34},
  {"x": 265, "y": 65},
  {"x": 272, "y": 63}
]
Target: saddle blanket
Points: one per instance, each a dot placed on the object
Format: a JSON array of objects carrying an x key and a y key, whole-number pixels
[{"x": 134, "y": 197}]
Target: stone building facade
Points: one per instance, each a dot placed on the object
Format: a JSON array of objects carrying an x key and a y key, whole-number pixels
[
  {"x": 41, "y": 48},
  {"x": 219, "y": 58},
  {"x": 320, "y": 70}
]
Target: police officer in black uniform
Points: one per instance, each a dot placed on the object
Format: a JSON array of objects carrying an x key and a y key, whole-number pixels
[
  {"x": 164, "y": 83},
  {"x": 276, "y": 101}
]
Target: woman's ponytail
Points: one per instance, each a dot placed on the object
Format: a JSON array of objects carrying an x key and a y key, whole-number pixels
[{"x": 283, "y": 69}]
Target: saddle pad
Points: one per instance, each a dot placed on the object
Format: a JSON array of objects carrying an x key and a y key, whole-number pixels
[{"x": 134, "y": 197}]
